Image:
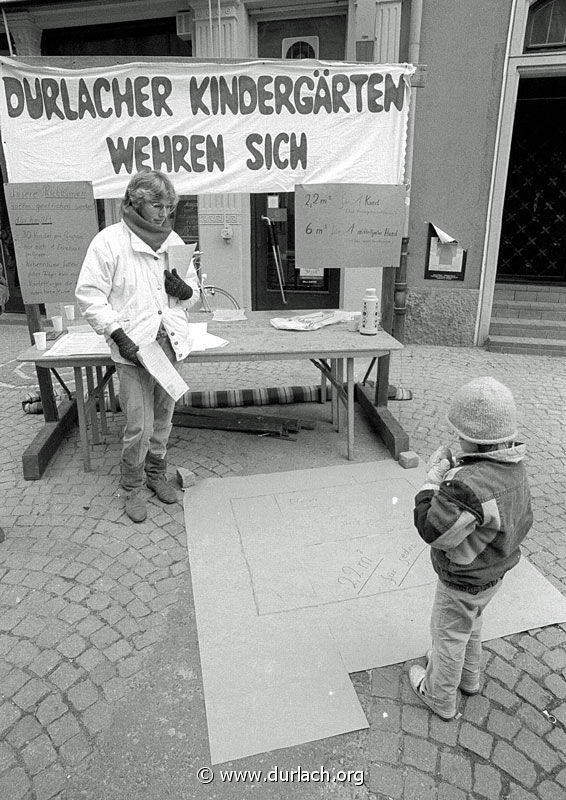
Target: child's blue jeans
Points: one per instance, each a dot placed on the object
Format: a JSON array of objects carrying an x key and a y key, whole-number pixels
[{"x": 455, "y": 660}]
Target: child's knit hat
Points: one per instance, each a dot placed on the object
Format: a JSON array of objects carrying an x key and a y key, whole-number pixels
[{"x": 484, "y": 412}]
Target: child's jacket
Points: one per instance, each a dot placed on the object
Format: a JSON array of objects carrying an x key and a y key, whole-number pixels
[{"x": 477, "y": 518}]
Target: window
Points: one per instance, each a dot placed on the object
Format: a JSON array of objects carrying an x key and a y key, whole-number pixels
[
  {"x": 546, "y": 26},
  {"x": 303, "y": 47}
]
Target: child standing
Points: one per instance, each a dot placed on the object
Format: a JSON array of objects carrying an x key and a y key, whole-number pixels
[{"x": 474, "y": 513}]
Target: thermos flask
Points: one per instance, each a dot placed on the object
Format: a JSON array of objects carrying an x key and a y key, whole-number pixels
[{"x": 369, "y": 323}]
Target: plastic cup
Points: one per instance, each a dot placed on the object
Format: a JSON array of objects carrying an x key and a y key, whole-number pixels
[
  {"x": 40, "y": 340},
  {"x": 57, "y": 323},
  {"x": 353, "y": 324},
  {"x": 69, "y": 312}
]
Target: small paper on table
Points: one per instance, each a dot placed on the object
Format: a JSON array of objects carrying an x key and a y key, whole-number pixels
[
  {"x": 202, "y": 340},
  {"x": 229, "y": 314},
  {"x": 80, "y": 340},
  {"x": 157, "y": 364}
]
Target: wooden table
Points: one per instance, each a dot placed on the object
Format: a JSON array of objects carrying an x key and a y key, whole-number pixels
[{"x": 253, "y": 339}]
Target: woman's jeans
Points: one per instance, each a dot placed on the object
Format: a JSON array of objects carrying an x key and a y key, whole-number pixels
[
  {"x": 455, "y": 660},
  {"x": 148, "y": 410}
]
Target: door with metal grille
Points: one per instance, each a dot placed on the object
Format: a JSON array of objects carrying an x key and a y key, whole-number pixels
[{"x": 533, "y": 232}]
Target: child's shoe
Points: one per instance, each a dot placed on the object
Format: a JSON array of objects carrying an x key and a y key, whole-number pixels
[{"x": 416, "y": 678}]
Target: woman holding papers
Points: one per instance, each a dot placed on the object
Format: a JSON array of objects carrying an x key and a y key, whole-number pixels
[{"x": 127, "y": 292}]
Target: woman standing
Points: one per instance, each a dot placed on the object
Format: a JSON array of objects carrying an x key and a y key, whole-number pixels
[{"x": 127, "y": 293}]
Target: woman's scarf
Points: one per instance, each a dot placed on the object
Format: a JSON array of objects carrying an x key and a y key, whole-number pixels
[{"x": 150, "y": 233}]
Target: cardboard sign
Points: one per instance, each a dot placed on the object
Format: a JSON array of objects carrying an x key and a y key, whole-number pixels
[
  {"x": 348, "y": 225},
  {"x": 52, "y": 226}
]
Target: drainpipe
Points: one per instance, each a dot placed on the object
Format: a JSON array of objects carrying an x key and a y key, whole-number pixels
[{"x": 400, "y": 295}]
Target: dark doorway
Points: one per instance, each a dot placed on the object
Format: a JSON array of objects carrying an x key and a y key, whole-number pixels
[
  {"x": 302, "y": 288},
  {"x": 324, "y": 38},
  {"x": 533, "y": 232},
  {"x": 148, "y": 37}
]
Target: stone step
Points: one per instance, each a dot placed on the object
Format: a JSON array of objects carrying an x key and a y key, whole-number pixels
[
  {"x": 521, "y": 309},
  {"x": 539, "y": 328},
  {"x": 521, "y": 292},
  {"x": 526, "y": 345}
]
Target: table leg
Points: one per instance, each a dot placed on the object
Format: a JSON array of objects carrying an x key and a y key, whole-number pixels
[
  {"x": 101, "y": 395},
  {"x": 339, "y": 378},
  {"x": 334, "y": 402},
  {"x": 112, "y": 394},
  {"x": 48, "y": 402},
  {"x": 350, "y": 405},
  {"x": 92, "y": 404},
  {"x": 81, "y": 413},
  {"x": 323, "y": 390},
  {"x": 382, "y": 380}
]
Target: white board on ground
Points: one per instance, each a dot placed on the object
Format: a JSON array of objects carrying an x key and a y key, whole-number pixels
[{"x": 302, "y": 577}]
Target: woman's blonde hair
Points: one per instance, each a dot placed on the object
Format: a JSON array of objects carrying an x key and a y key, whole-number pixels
[{"x": 149, "y": 186}]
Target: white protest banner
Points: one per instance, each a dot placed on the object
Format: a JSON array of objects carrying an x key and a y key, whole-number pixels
[{"x": 257, "y": 126}]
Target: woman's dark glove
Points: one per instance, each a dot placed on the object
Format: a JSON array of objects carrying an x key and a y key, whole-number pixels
[
  {"x": 176, "y": 286},
  {"x": 126, "y": 347}
]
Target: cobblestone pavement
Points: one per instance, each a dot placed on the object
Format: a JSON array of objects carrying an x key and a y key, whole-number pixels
[{"x": 93, "y": 609}]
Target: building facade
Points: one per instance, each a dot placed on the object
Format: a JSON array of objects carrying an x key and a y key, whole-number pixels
[{"x": 485, "y": 154}]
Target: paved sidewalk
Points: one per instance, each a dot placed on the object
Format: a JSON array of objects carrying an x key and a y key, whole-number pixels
[{"x": 100, "y": 688}]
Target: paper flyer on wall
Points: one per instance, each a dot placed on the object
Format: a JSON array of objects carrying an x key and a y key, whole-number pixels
[{"x": 157, "y": 364}]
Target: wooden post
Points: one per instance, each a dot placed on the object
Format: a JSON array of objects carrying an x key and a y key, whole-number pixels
[
  {"x": 387, "y": 292},
  {"x": 377, "y": 414}
]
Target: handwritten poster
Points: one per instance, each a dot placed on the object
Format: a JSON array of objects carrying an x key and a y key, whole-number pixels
[
  {"x": 52, "y": 225},
  {"x": 348, "y": 225}
]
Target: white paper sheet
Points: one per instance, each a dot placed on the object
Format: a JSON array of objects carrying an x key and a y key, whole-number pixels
[
  {"x": 80, "y": 340},
  {"x": 200, "y": 339},
  {"x": 157, "y": 364},
  {"x": 180, "y": 256},
  {"x": 207, "y": 341},
  {"x": 229, "y": 314},
  {"x": 444, "y": 238}
]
